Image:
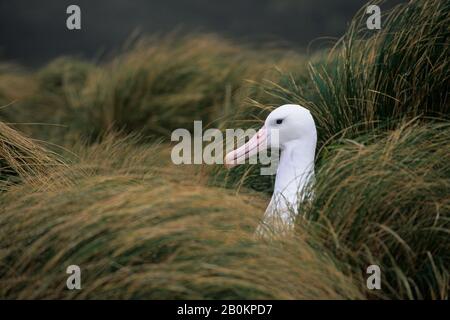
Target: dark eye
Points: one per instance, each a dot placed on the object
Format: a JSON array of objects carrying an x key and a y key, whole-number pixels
[{"x": 279, "y": 121}]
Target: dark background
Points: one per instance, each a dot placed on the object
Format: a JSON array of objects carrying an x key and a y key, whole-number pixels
[{"x": 33, "y": 32}]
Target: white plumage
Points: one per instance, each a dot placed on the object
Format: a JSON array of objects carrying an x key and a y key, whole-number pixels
[{"x": 297, "y": 140}]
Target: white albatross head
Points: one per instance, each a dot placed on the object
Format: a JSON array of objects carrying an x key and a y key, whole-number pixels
[{"x": 293, "y": 123}]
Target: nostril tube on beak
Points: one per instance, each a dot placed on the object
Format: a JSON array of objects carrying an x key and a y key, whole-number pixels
[{"x": 252, "y": 147}]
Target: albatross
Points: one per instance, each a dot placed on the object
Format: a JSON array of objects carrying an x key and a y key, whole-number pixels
[{"x": 297, "y": 137}]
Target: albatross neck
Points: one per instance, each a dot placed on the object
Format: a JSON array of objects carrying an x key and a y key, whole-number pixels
[{"x": 295, "y": 169}]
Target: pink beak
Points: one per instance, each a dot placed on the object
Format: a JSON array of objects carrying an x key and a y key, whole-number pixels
[{"x": 257, "y": 143}]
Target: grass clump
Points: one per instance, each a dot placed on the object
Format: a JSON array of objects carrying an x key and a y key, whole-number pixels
[
  {"x": 371, "y": 80},
  {"x": 389, "y": 206},
  {"x": 140, "y": 227},
  {"x": 22, "y": 159},
  {"x": 158, "y": 85},
  {"x": 138, "y": 234},
  {"x": 374, "y": 79}
]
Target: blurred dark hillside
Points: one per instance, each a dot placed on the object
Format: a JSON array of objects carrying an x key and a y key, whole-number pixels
[{"x": 33, "y": 32}]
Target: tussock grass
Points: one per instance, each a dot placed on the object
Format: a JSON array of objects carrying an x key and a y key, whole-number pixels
[
  {"x": 137, "y": 235},
  {"x": 389, "y": 205},
  {"x": 161, "y": 86},
  {"x": 22, "y": 159},
  {"x": 381, "y": 192},
  {"x": 374, "y": 79},
  {"x": 158, "y": 85},
  {"x": 140, "y": 227},
  {"x": 15, "y": 84},
  {"x": 370, "y": 80}
]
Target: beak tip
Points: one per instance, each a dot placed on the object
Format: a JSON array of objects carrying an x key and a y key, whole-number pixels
[{"x": 245, "y": 151}]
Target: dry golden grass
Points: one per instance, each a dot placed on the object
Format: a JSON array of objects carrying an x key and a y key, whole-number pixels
[
  {"x": 22, "y": 159},
  {"x": 140, "y": 227},
  {"x": 137, "y": 234},
  {"x": 386, "y": 202},
  {"x": 156, "y": 86},
  {"x": 15, "y": 84}
]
